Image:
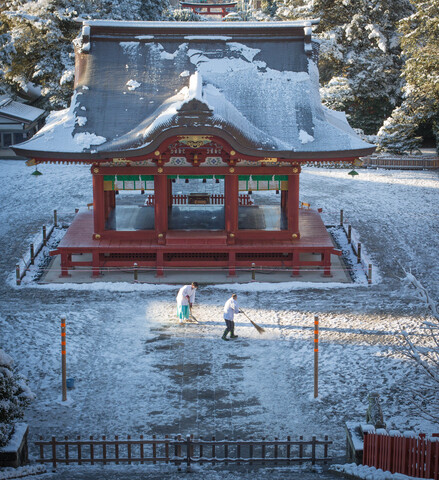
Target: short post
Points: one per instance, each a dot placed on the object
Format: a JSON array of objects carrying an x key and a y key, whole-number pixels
[
  {"x": 136, "y": 273},
  {"x": 55, "y": 218},
  {"x": 44, "y": 235},
  {"x": 17, "y": 274},
  {"x": 253, "y": 272},
  {"x": 188, "y": 453},
  {"x": 359, "y": 253},
  {"x": 316, "y": 356},
  {"x": 313, "y": 450},
  {"x": 63, "y": 359},
  {"x": 369, "y": 275},
  {"x": 341, "y": 217},
  {"x": 349, "y": 233},
  {"x": 32, "y": 254}
]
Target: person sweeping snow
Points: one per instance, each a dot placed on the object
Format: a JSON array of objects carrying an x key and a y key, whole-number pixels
[
  {"x": 230, "y": 308},
  {"x": 185, "y": 299}
]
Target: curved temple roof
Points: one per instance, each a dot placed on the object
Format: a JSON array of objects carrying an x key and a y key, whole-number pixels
[{"x": 138, "y": 83}]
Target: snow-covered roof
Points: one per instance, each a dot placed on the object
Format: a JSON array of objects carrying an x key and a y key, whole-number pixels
[
  {"x": 253, "y": 83},
  {"x": 20, "y": 112}
]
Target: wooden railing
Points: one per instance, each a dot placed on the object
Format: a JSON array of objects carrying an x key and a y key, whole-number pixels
[
  {"x": 179, "y": 450},
  {"x": 215, "y": 199},
  {"x": 412, "y": 456},
  {"x": 402, "y": 162}
]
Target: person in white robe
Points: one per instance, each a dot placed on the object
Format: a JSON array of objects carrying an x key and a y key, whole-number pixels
[
  {"x": 230, "y": 308},
  {"x": 185, "y": 299}
]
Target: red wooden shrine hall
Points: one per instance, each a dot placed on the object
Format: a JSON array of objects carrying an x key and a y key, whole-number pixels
[{"x": 191, "y": 122}]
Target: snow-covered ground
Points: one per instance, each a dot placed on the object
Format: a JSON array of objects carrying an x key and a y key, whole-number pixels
[{"x": 137, "y": 372}]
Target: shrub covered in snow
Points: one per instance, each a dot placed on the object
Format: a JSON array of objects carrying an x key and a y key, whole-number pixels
[{"x": 15, "y": 396}]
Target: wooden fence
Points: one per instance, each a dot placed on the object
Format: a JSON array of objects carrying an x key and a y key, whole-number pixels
[
  {"x": 412, "y": 456},
  {"x": 403, "y": 162},
  {"x": 179, "y": 450},
  {"x": 215, "y": 199},
  {"x": 356, "y": 249}
]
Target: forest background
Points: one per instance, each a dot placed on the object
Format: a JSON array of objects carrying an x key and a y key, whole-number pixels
[{"x": 379, "y": 59}]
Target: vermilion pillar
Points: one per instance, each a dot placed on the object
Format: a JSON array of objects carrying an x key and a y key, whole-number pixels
[
  {"x": 161, "y": 206},
  {"x": 98, "y": 202},
  {"x": 293, "y": 203},
  {"x": 231, "y": 191}
]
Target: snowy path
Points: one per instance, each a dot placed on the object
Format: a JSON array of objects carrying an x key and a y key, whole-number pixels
[{"x": 138, "y": 372}]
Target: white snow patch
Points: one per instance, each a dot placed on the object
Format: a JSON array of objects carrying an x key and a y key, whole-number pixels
[
  {"x": 305, "y": 137},
  {"x": 207, "y": 37},
  {"x": 132, "y": 84},
  {"x": 86, "y": 139},
  {"x": 81, "y": 121}
]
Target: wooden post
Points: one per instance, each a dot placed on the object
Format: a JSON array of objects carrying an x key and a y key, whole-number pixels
[
  {"x": 325, "y": 450},
  {"x": 66, "y": 449},
  {"x": 188, "y": 453},
  {"x": 341, "y": 217},
  {"x": 104, "y": 449},
  {"x": 231, "y": 193},
  {"x": 369, "y": 275},
  {"x": 17, "y": 274},
  {"x": 293, "y": 204},
  {"x": 32, "y": 254},
  {"x": 316, "y": 356},
  {"x": 349, "y": 233},
  {"x": 55, "y": 218},
  {"x": 44, "y": 235},
  {"x": 136, "y": 273},
  {"x": 359, "y": 253},
  {"x": 63, "y": 359},
  {"x": 313, "y": 450},
  {"x": 253, "y": 272},
  {"x": 53, "y": 452}
]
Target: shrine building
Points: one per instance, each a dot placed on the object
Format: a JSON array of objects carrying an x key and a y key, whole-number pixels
[
  {"x": 183, "y": 125},
  {"x": 210, "y": 8}
]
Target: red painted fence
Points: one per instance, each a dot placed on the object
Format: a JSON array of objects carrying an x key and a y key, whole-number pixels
[{"x": 413, "y": 456}]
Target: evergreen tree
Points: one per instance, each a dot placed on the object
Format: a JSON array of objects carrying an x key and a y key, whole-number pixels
[
  {"x": 15, "y": 396},
  {"x": 36, "y": 39},
  {"x": 360, "y": 61},
  {"x": 420, "y": 46},
  {"x": 361, "y": 44}
]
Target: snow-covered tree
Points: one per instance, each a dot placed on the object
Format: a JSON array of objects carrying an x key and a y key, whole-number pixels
[
  {"x": 15, "y": 396},
  {"x": 420, "y": 47},
  {"x": 183, "y": 15},
  {"x": 360, "y": 43},
  {"x": 360, "y": 61},
  {"x": 426, "y": 355},
  {"x": 36, "y": 39}
]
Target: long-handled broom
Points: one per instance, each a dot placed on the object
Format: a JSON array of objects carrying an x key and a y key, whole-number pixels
[
  {"x": 191, "y": 316},
  {"x": 258, "y": 328}
]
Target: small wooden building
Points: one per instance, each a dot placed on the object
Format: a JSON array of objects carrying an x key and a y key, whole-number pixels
[
  {"x": 233, "y": 107},
  {"x": 18, "y": 122},
  {"x": 210, "y": 8}
]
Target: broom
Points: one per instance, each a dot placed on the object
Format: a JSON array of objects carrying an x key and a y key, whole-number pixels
[
  {"x": 258, "y": 328},
  {"x": 191, "y": 316}
]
